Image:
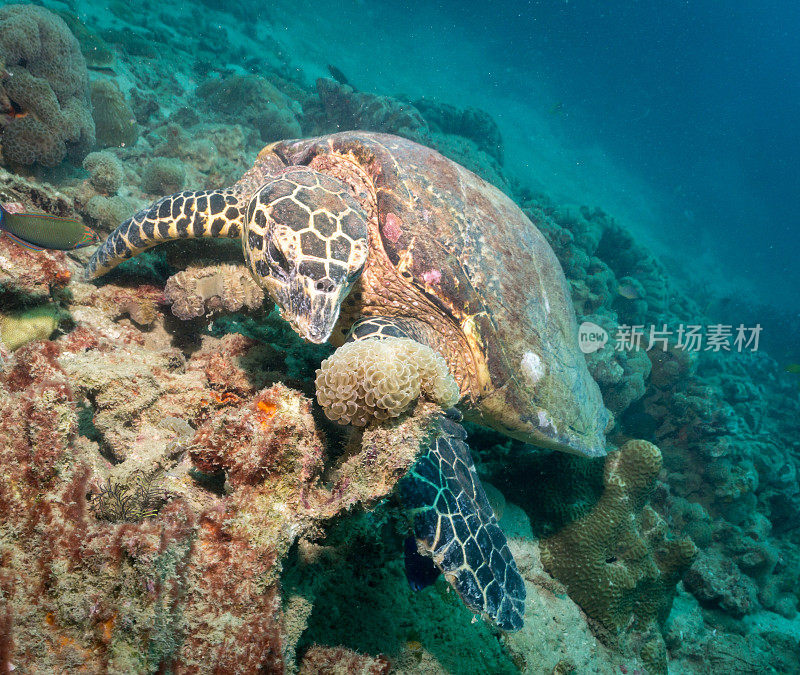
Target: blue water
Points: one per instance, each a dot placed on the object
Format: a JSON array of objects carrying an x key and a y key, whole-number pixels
[{"x": 680, "y": 120}]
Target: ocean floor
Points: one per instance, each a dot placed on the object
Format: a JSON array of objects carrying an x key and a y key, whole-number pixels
[{"x": 172, "y": 499}]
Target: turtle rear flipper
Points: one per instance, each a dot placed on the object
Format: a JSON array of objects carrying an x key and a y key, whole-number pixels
[
  {"x": 455, "y": 526},
  {"x": 185, "y": 215}
]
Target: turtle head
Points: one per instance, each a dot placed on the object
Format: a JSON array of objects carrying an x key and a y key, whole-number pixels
[{"x": 306, "y": 242}]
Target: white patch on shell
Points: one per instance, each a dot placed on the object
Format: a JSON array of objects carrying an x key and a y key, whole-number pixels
[
  {"x": 546, "y": 303},
  {"x": 545, "y": 422},
  {"x": 532, "y": 367}
]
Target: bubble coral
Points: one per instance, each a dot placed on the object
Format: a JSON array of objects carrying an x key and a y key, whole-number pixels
[
  {"x": 43, "y": 92},
  {"x": 381, "y": 378}
]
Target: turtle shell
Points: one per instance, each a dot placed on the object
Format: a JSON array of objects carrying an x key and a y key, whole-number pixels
[{"x": 451, "y": 250}]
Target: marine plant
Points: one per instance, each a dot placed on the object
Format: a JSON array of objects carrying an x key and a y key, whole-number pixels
[{"x": 135, "y": 498}]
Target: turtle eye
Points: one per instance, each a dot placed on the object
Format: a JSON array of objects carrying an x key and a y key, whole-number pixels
[{"x": 277, "y": 258}]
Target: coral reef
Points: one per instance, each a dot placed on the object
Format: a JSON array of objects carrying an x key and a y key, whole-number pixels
[
  {"x": 209, "y": 290},
  {"x": 260, "y": 558},
  {"x": 114, "y": 120},
  {"x": 43, "y": 89},
  {"x": 105, "y": 171},
  {"x": 616, "y": 561},
  {"x": 164, "y": 176},
  {"x": 175, "y": 547},
  {"x": 346, "y": 109}
]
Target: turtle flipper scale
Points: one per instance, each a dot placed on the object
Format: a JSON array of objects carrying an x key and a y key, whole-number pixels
[
  {"x": 386, "y": 326},
  {"x": 455, "y": 525},
  {"x": 185, "y": 215}
]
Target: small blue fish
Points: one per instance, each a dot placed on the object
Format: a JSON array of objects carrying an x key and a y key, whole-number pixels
[{"x": 39, "y": 231}]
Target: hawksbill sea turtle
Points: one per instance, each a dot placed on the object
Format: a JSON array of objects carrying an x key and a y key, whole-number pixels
[{"x": 363, "y": 236}]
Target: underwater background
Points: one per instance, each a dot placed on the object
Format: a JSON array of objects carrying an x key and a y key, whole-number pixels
[{"x": 173, "y": 500}]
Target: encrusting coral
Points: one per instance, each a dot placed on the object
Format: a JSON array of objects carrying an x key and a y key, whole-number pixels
[
  {"x": 322, "y": 660},
  {"x": 162, "y": 568},
  {"x": 209, "y": 290},
  {"x": 31, "y": 275},
  {"x": 381, "y": 378},
  {"x": 36, "y": 323},
  {"x": 43, "y": 89},
  {"x": 617, "y": 562}
]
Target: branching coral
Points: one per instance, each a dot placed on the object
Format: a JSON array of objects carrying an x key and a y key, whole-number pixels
[
  {"x": 207, "y": 290},
  {"x": 616, "y": 561},
  {"x": 43, "y": 93}
]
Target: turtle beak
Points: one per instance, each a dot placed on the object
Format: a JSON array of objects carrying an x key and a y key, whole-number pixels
[{"x": 312, "y": 313}]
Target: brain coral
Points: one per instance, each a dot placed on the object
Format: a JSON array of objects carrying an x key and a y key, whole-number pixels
[
  {"x": 43, "y": 90},
  {"x": 381, "y": 378},
  {"x": 617, "y": 562}
]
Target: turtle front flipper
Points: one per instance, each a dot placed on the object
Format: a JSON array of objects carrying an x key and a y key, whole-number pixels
[
  {"x": 186, "y": 215},
  {"x": 379, "y": 372},
  {"x": 454, "y": 524}
]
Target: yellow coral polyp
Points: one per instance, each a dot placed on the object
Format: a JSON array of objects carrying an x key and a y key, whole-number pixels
[{"x": 381, "y": 378}]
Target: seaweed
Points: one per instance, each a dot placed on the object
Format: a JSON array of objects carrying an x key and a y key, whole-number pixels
[{"x": 133, "y": 500}]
